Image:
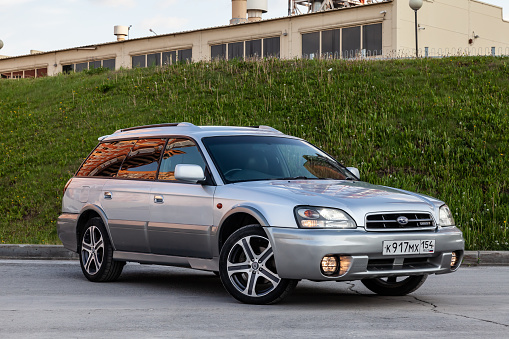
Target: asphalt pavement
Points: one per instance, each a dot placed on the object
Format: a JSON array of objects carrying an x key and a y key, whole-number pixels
[{"x": 52, "y": 299}]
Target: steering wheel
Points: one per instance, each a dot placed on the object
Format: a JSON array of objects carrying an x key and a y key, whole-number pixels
[{"x": 230, "y": 171}]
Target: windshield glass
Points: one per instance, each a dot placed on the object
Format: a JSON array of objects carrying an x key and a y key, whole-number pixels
[{"x": 248, "y": 158}]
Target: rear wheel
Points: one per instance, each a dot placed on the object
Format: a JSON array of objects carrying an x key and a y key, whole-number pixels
[
  {"x": 395, "y": 286},
  {"x": 248, "y": 269},
  {"x": 96, "y": 253}
]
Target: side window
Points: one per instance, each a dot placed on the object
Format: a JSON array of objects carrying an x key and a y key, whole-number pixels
[
  {"x": 179, "y": 151},
  {"x": 106, "y": 159},
  {"x": 143, "y": 160}
]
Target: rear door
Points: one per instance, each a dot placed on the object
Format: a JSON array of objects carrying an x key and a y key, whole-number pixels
[{"x": 126, "y": 198}]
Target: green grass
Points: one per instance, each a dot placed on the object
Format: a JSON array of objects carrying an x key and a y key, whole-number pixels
[{"x": 435, "y": 126}]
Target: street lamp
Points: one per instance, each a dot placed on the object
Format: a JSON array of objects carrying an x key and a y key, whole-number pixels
[{"x": 416, "y": 5}]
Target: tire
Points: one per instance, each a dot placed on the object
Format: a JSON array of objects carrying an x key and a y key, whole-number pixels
[
  {"x": 96, "y": 253},
  {"x": 395, "y": 286},
  {"x": 247, "y": 268}
]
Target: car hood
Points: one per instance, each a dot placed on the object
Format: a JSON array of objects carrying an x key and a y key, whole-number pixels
[{"x": 354, "y": 197}]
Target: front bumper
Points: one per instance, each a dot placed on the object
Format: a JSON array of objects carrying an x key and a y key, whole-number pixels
[{"x": 298, "y": 252}]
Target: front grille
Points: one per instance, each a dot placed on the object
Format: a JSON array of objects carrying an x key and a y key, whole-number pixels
[{"x": 399, "y": 222}]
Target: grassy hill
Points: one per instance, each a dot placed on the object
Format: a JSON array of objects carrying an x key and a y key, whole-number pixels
[{"x": 436, "y": 126}]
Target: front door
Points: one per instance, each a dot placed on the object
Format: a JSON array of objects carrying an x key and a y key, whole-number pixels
[{"x": 181, "y": 217}]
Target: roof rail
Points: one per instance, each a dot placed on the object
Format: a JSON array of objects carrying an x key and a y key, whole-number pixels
[
  {"x": 174, "y": 124},
  {"x": 268, "y": 128}
]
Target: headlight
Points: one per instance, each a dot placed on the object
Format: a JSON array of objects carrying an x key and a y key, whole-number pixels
[
  {"x": 321, "y": 217},
  {"x": 445, "y": 215}
]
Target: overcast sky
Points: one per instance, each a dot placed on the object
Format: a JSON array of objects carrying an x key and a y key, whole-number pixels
[{"x": 48, "y": 25}]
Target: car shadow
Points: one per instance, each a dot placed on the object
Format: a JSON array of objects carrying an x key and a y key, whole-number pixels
[{"x": 171, "y": 281}]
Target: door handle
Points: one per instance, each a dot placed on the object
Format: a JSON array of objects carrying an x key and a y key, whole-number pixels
[
  {"x": 158, "y": 199},
  {"x": 107, "y": 195}
]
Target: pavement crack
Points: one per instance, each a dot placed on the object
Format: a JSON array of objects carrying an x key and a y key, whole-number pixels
[
  {"x": 436, "y": 310},
  {"x": 351, "y": 288}
]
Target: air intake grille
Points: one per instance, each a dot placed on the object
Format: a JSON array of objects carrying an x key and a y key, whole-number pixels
[{"x": 399, "y": 222}]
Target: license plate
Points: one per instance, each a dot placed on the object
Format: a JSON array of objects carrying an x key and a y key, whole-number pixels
[{"x": 408, "y": 247}]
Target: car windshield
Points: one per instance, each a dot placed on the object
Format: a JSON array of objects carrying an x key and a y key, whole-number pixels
[{"x": 249, "y": 158}]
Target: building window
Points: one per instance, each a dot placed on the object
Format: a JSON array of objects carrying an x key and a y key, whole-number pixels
[
  {"x": 254, "y": 49},
  {"x": 169, "y": 58},
  {"x": 164, "y": 58},
  {"x": 94, "y": 64},
  {"x": 351, "y": 41},
  {"x": 29, "y": 73},
  {"x": 185, "y": 55},
  {"x": 139, "y": 61},
  {"x": 331, "y": 44},
  {"x": 81, "y": 67},
  {"x": 67, "y": 68},
  {"x": 236, "y": 50},
  {"x": 372, "y": 39},
  {"x": 109, "y": 64},
  {"x": 247, "y": 49},
  {"x": 311, "y": 45},
  {"x": 154, "y": 60},
  {"x": 218, "y": 52},
  {"x": 271, "y": 47}
]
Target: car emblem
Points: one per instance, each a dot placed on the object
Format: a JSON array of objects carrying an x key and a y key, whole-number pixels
[{"x": 402, "y": 220}]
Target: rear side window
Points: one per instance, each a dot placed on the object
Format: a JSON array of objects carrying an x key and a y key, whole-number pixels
[
  {"x": 106, "y": 159},
  {"x": 179, "y": 151},
  {"x": 143, "y": 160}
]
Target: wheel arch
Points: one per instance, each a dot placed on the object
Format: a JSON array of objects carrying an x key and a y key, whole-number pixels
[
  {"x": 88, "y": 212},
  {"x": 237, "y": 218}
]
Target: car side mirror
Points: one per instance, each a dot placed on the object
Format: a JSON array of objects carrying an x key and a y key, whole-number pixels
[
  {"x": 355, "y": 171},
  {"x": 189, "y": 173}
]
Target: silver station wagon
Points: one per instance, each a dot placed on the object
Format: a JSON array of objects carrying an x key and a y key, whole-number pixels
[{"x": 259, "y": 208}]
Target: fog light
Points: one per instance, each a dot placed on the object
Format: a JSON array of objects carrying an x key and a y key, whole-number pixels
[
  {"x": 329, "y": 265},
  {"x": 454, "y": 259}
]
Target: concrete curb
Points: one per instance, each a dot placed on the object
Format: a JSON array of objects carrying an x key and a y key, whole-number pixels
[
  {"x": 58, "y": 252},
  {"x": 40, "y": 252},
  {"x": 486, "y": 258}
]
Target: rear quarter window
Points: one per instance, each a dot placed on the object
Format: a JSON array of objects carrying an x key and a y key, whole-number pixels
[{"x": 106, "y": 159}]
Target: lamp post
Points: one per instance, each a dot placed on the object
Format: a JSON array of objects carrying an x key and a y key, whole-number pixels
[{"x": 416, "y": 5}]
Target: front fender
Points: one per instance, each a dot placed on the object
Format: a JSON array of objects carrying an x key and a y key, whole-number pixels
[{"x": 252, "y": 211}]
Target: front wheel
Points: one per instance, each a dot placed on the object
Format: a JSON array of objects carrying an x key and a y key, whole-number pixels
[
  {"x": 394, "y": 286},
  {"x": 96, "y": 253},
  {"x": 248, "y": 270}
]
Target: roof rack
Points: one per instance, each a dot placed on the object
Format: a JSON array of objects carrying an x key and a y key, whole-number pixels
[
  {"x": 175, "y": 124},
  {"x": 268, "y": 128}
]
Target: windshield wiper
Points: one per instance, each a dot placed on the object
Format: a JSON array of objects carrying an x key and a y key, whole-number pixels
[{"x": 300, "y": 177}]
